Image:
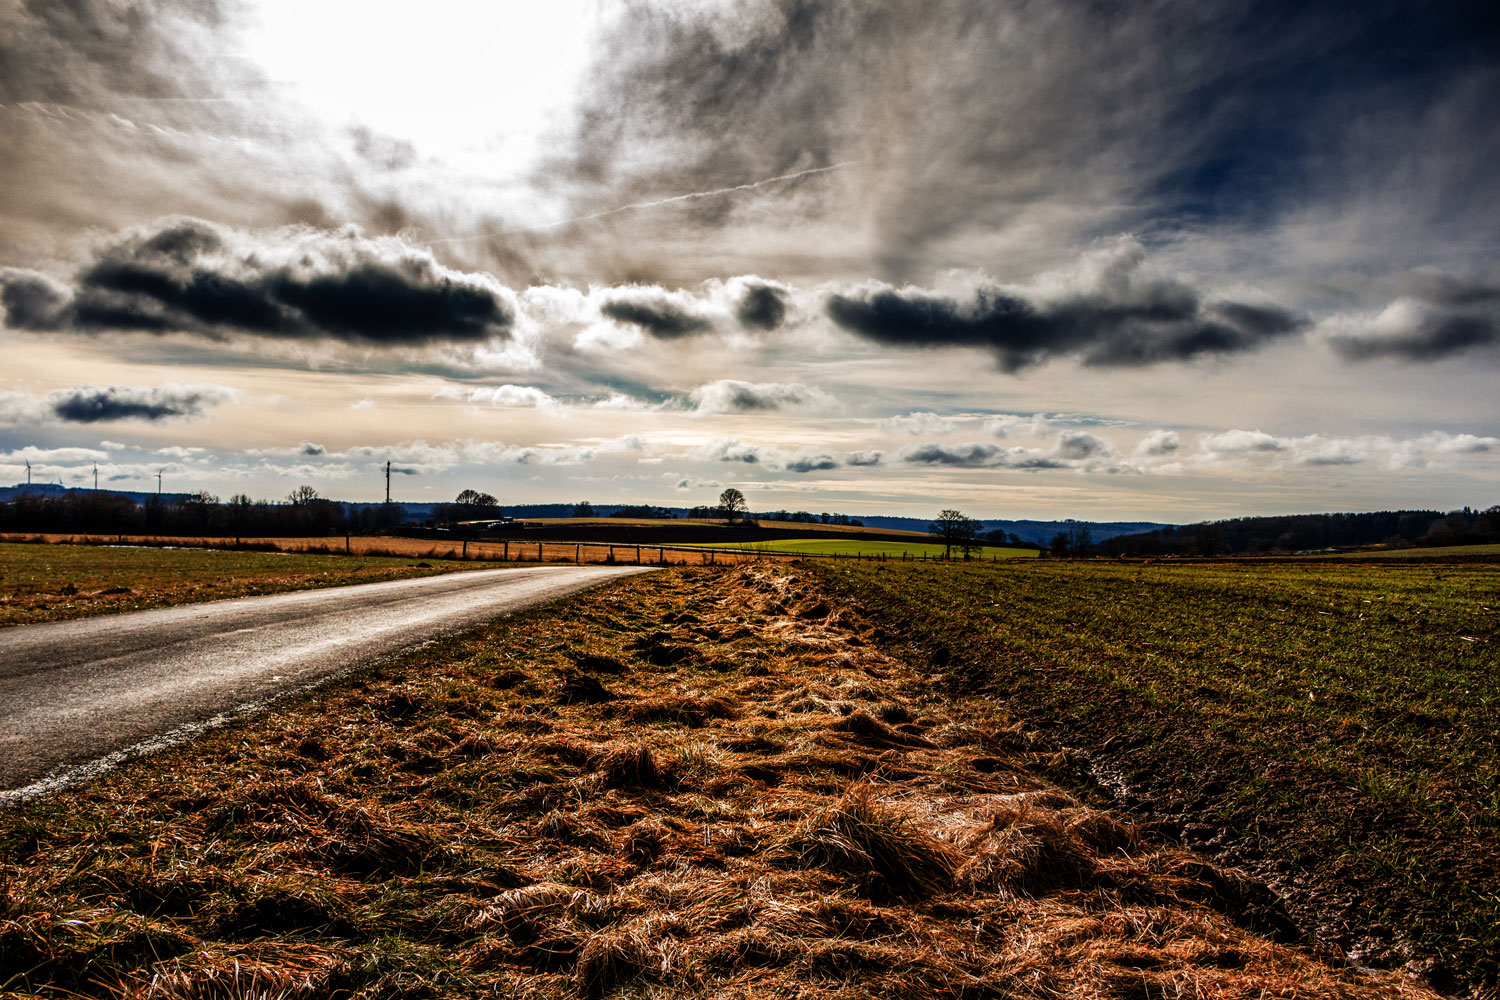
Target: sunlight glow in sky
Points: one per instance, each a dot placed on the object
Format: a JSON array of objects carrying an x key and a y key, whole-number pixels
[{"x": 471, "y": 83}]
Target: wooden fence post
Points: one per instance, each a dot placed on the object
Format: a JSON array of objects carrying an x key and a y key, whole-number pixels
[
  {"x": 576, "y": 550},
  {"x": 538, "y": 551},
  {"x": 637, "y": 555},
  {"x": 465, "y": 553},
  {"x": 506, "y": 557}
]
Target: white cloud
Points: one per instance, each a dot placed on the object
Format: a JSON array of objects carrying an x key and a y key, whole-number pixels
[
  {"x": 505, "y": 396},
  {"x": 919, "y": 423},
  {"x": 1158, "y": 443}
]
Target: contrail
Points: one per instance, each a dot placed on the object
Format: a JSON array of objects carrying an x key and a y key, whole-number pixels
[{"x": 651, "y": 204}]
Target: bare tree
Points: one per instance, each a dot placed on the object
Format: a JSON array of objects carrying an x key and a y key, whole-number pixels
[
  {"x": 302, "y": 496},
  {"x": 732, "y": 502},
  {"x": 957, "y": 530}
]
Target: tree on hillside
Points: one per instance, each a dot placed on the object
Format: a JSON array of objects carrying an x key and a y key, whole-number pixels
[
  {"x": 732, "y": 502},
  {"x": 956, "y": 530},
  {"x": 302, "y": 496},
  {"x": 583, "y": 509}
]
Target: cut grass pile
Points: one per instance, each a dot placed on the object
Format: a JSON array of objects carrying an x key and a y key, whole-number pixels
[
  {"x": 855, "y": 546},
  {"x": 696, "y": 783},
  {"x": 1332, "y": 727},
  {"x": 53, "y": 582}
]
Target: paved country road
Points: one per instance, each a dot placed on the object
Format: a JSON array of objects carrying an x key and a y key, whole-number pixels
[{"x": 76, "y": 692}]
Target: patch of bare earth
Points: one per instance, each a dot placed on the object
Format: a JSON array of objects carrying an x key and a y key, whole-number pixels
[{"x": 694, "y": 783}]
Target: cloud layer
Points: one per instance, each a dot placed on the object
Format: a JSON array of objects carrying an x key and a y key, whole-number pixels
[
  {"x": 1112, "y": 310},
  {"x": 1439, "y": 316},
  {"x": 190, "y": 275},
  {"x": 93, "y": 404}
]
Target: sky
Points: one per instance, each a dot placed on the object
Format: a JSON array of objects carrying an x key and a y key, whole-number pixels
[{"x": 1166, "y": 260}]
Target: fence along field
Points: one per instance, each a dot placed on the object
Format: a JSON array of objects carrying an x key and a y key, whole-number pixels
[{"x": 521, "y": 550}]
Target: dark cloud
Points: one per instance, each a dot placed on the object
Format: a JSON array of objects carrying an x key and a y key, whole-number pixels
[
  {"x": 654, "y": 310},
  {"x": 1070, "y": 450},
  {"x": 1110, "y": 313},
  {"x": 1422, "y": 335},
  {"x": 85, "y": 404},
  {"x": 763, "y": 307},
  {"x": 32, "y": 300},
  {"x": 1441, "y": 316},
  {"x": 972, "y": 455},
  {"x": 189, "y": 275},
  {"x": 811, "y": 463}
]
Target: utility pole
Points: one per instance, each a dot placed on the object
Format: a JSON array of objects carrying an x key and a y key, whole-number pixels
[
  {"x": 158, "y": 482},
  {"x": 28, "y": 472},
  {"x": 96, "y": 477},
  {"x": 388, "y": 481}
]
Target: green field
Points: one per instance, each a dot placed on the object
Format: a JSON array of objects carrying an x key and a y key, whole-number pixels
[
  {"x": 1441, "y": 552},
  {"x": 1333, "y": 727},
  {"x": 50, "y": 582},
  {"x": 858, "y": 547}
]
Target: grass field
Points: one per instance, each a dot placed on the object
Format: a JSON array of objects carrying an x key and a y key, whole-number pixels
[
  {"x": 1438, "y": 552},
  {"x": 50, "y": 577},
  {"x": 690, "y": 784},
  {"x": 773, "y": 525},
  {"x": 51, "y": 582},
  {"x": 855, "y": 546},
  {"x": 1333, "y": 727}
]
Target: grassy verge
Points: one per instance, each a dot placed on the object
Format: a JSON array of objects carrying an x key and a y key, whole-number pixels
[
  {"x": 54, "y": 582},
  {"x": 1332, "y": 726},
  {"x": 699, "y": 783}
]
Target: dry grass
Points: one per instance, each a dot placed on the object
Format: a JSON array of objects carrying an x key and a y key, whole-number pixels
[{"x": 784, "y": 813}]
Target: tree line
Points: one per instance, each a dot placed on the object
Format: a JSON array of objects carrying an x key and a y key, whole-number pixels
[
  {"x": 303, "y": 513},
  {"x": 1303, "y": 532}
]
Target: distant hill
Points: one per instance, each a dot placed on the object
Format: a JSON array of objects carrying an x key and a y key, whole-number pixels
[{"x": 1040, "y": 532}]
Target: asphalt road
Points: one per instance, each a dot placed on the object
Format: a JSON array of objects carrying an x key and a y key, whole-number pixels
[{"x": 75, "y": 692}]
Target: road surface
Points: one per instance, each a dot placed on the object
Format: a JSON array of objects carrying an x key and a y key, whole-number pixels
[{"x": 74, "y": 694}]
